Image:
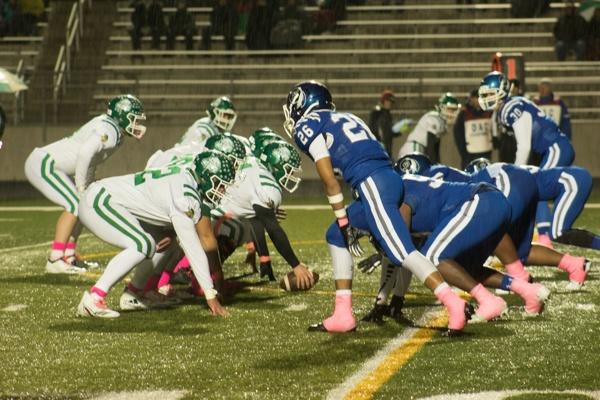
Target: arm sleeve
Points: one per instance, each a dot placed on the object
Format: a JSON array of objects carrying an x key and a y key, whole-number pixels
[
  {"x": 188, "y": 239},
  {"x": 277, "y": 234},
  {"x": 318, "y": 148},
  {"x": 431, "y": 148},
  {"x": 84, "y": 159},
  {"x": 565, "y": 122},
  {"x": 459, "y": 135},
  {"x": 258, "y": 230},
  {"x": 522, "y": 128}
]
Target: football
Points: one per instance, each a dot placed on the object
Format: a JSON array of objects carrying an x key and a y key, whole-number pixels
[{"x": 288, "y": 282}]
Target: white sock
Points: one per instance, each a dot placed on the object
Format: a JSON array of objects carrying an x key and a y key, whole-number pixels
[
  {"x": 403, "y": 277},
  {"x": 386, "y": 282},
  {"x": 118, "y": 267}
]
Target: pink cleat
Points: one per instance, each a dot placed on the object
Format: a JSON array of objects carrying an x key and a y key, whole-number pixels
[
  {"x": 577, "y": 267},
  {"x": 459, "y": 311},
  {"x": 492, "y": 307},
  {"x": 342, "y": 319},
  {"x": 535, "y": 297}
]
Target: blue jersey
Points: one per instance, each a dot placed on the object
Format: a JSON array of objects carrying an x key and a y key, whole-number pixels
[
  {"x": 354, "y": 151},
  {"x": 446, "y": 173},
  {"x": 544, "y": 131},
  {"x": 432, "y": 200}
]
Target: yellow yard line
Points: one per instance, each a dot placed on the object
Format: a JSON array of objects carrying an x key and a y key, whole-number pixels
[{"x": 390, "y": 365}]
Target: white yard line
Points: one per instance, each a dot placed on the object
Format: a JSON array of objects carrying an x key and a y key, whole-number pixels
[
  {"x": 500, "y": 395},
  {"x": 143, "y": 395}
]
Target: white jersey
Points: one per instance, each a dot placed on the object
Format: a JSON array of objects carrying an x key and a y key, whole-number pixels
[
  {"x": 199, "y": 132},
  {"x": 80, "y": 153},
  {"x": 257, "y": 186},
  {"x": 180, "y": 151},
  {"x": 430, "y": 122}
]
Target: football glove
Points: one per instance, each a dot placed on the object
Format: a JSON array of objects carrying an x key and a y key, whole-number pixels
[{"x": 370, "y": 264}]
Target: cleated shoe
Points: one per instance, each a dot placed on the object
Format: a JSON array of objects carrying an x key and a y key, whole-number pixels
[
  {"x": 320, "y": 327},
  {"x": 492, "y": 307},
  {"x": 395, "y": 310},
  {"x": 158, "y": 300},
  {"x": 267, "y": 270},
  {"x": 60, "y": 266},
  {"x": 376, "y": 314},
  {"x": 131, "y": 301},
  {"x": 91, "y": 306},
  {"x": 535, "y": 297},
  {"x": 577, "y": 276}
]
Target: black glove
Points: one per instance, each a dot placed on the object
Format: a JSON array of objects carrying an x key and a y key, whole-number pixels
[
  {"x": 369, "y": 264},
  {"x": 351, "y": 236},
  {"x": 267, "y": 270}
]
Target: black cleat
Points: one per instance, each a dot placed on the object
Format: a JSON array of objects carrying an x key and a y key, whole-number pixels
[
  {"x": 395, "y": 310},
  {"x": 376, "y": 314},
  {"x": 321, "y": 328},
  {"x": 267, "y": 270}
]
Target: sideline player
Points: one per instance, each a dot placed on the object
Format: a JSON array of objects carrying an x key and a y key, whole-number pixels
[
  {"x": 50, "y": 168},
  {"x": 125, "y": 210},
  {"x": 341, "y": 141}
]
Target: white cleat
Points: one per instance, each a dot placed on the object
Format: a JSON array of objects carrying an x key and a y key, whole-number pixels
[
  {"x": 132, "y": 302},
  {"x": 89, "y": 306},
  {"x": 60, "y": 266}
]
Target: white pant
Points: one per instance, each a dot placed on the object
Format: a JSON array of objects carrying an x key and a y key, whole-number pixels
[
  {"x": 54, "y": 184},
  {"x": 112, "y": 222}
]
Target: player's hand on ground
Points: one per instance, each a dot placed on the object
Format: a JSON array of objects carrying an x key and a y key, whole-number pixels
[
  {"x": 304, "y": 277},
  {"x": 216, "y": 308},
  {"x": 370, "y": 264}
]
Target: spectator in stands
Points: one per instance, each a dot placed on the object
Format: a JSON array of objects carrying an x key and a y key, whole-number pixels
[
  {"x": 11, "y": 18},
  {"x": 593, "y": 36},
  {"x": 570, "y": 31},
  {"x": 138, "y": 20},
  {"x": 553, "y": 106},
  {"x": 380, "y": 120},
  {"x": 291, "y": 25},
  {"x": 223, "y": 21},
  {"x": 243, "y": 8},
  {"x": 473, "y": 131},
  {"x": 156, "y": 22},
  {"x": 33, "y": 11},
  {"x": 294, "y": 10},
  {"x": 529, "y": 8},
  {"x": 181, "y": 23},
  {"x": 260, "y": 23},
  {"x": 330, "y": 11}
]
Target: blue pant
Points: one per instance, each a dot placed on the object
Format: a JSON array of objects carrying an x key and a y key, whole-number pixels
[
  {"x": 560, "y": 154},
  {"x": 471, "y": 232},
  {"x": 377, "y": 211}
]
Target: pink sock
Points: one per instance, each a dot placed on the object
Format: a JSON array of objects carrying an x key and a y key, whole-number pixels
[
  {"x": 454, "y": 304},
  {"x": 480, "y": 293},
  {"x": 517, "y": 270},
  {"x": 342, "y": 319},
  {"x": 152, "y": 283},
  {"x": 544, "y": 239},
  {"x": 165, "y": 278},
  {"x": 57, "y": 250},
  {"x": 98, "y": 292},
  {"x": 183, "y": 263},
  {"x": 569, "y": 263}
]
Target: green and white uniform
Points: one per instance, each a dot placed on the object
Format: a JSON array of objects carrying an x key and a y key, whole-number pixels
[
  {"x": 187, "y": 151},
  {"x": 50, "y": 168},
  {"x": 116, "y": 210},
  {"x": 431, "y": 122},
  {"x": 200, "y": 131}
]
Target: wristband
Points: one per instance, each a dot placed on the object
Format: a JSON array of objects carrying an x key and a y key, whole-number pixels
[
  {"x": 341, "y": 213},
  {"x": 343, "y": 221},
  {"x": 210, "y": 294},
  {"x": 336, "y": 198}
]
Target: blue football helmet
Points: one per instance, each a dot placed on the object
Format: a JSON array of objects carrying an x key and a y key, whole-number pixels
[
  {"x": 477, "y": 165},
  {"x": 415, "y": 163},
  {"x": 494, "y": 88},
  {"x": 304, "y": 98}
]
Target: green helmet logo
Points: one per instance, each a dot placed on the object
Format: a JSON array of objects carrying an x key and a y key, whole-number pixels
[
  {"x": 283, "y": 161},
  {"x": 214, "y": 173},
  {"x": 448, "y": 107},
  {"x": 229, "y": 145},
  {"x": 127, "y": 110},
  {"x": 222, "y": 113},
  {"x": 263, "y": 140}
]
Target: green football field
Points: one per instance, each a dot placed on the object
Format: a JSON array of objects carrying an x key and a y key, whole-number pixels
[{"x": 263, "y": 351}]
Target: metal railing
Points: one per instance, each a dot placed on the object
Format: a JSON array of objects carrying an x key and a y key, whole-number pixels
[{"x": 73, "y": 34}]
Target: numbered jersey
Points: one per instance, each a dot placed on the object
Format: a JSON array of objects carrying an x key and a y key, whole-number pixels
[
  {"x": 95, "y": 141},
  {"x": 177, "y": 153},
  {"x": 155, "y": 195},
  {"x": 431, "y": 200},
  {"x": 199, "y": 132},
  {"x": 256, "y": 187},
  {"x": 544, "y": 132},
  {"x": 346, "y": 139}
]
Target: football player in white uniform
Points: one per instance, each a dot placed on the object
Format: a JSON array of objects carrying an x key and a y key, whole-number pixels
[
  {"x": 125, "y": 210},
  {"x": 426, "y": 135},
  {"x": 221, "y": 118},
  {"x": 50, "y": 168},
  {"x": 257, "y": 197}
]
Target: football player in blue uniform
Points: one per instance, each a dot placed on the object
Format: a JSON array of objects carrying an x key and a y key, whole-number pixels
[
  {"x": 534, "y": 131},
  {"x": 342, "y": 142},
  {"x": 466, "y": 223}
]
